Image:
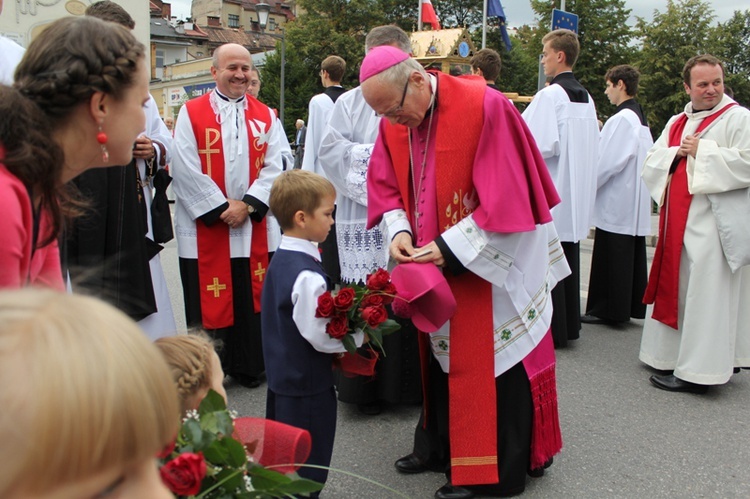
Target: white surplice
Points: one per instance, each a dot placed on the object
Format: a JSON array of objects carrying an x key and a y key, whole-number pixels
[
  {"x": 287, "y": 159},
  {"x": 345, "y": 154},
  {"x": 713, "y": 335},
  {"x": 11, "y": 54},
  {"x": 623, "y": 205},
  {"x": 567, "y": 134},
  {"x": 197, "y": 194},
  {"x": 521, "y": 284},
  {"x": 160, "y": 323},
  {"x": 319, "y": 110}
]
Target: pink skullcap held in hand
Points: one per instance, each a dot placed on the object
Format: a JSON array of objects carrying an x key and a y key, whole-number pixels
[
  {"x": 423, "y": 295},
  {"x": 379, "y": 59}
]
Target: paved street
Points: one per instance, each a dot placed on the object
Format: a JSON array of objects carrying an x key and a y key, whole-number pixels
[{"x": 622, "y": 437}]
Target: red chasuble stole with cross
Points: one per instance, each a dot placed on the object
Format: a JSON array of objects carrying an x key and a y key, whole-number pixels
[
  {"x": 471, "y": 380},
  {"x": 214, "y": 268},
  {"x": 663, "y": 282}
]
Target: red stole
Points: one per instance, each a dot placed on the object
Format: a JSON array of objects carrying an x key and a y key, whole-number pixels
[
  {"x": 214, "y": 268},
  {"x": 471, "y": 380},
  {"x": 663, "y": 282}
]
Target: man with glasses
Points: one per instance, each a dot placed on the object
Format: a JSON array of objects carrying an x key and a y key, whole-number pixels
[{"x": 458, "y": 182}]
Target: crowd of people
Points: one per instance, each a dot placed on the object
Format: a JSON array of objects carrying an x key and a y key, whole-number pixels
[{"x": 411, "y": 167}]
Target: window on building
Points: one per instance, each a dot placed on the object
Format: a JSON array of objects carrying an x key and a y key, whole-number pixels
[
  {"x": 271, "y": 24},
  {"x": 159, "y": 58},
  {"x": 233, "y": 21}
]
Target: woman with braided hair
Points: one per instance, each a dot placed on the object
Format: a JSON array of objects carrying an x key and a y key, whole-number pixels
[{"x": 77, "y": 103}]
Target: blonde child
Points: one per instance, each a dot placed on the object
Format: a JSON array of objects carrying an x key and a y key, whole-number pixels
[
  {"x": 296, "y": 349},
  {"x": 87, "y": 400},
  {"x": 195, "y": 367}
]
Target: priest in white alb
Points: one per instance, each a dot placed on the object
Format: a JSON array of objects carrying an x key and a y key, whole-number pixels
[
  {"x": 227, "y": 155},
  {"x": 697, "y": 321}
]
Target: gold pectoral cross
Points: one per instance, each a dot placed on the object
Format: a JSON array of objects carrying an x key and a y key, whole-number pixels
[
  {"x": 260, "y": 272},
  {"x": 212, "y": 137},
  {"x": 216, "y": 287}
]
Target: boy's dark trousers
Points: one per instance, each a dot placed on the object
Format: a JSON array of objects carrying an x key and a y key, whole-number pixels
[{"x": 314, "y": 413}]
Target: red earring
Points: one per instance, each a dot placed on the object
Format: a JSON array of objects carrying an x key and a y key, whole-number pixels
[{"x": 102, "y": 138}]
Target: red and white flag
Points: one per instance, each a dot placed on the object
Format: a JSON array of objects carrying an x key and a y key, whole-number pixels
[{"x": 428, "y": 15}]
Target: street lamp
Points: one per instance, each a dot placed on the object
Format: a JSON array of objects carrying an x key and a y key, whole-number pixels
[{"x": 263, "y": 9}]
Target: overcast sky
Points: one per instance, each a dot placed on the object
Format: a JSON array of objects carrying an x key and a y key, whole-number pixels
[{"x": 518, "y": 12}]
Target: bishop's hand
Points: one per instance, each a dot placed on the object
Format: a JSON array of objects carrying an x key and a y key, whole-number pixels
[
  {"x": 429, "y": 253},
  {"x": 401, "y": 247}
]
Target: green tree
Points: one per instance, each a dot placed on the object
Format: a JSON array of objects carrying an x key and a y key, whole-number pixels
[
  {"x": 605, "y": 38},
  {"x": 519, "y": 65},
  {"x": 731, "y": 44},
  {"x": 668, "y": 41},
  {"x": 328, "y": 27},
  {"x": 458, "y": 13}
]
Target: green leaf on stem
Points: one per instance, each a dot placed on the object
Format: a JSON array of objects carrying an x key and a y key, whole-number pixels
[
  {"x": 192, "y": 433},
  {"x": 388, "y": 327},
  {"x": 349, "y": 343},
  {"x": 212, "y": 402}
]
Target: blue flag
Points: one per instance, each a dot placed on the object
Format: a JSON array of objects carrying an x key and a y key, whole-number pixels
[{"x": 495, "y": 9}]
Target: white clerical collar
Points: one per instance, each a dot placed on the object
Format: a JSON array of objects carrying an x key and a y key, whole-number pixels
[
  {"x": 303, "y": 245},
  {"x": 228, "y": 99},
  {"x": 433, "y": 86},
  {"x": 707, "y": 112},
  {"x": 231, "y": 113}
]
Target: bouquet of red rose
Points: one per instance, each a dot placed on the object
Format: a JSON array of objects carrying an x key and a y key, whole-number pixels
[
  {"x": 355, "y": 308},
  {"x": 206, "y": 462}
]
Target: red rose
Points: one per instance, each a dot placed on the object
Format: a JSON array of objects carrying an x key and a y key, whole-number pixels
[
  {"x": 338, "y": 327},
  {"x": 325, "y": 305},
  {"x": 344, "y": 300},
  {"x": 378, "y": 280},
  {"x": 372, "y": 300},
  {"x": 374, "y": 316},
  {"x": 389, "y": 293},
  {"x": 183, "y": 475}
]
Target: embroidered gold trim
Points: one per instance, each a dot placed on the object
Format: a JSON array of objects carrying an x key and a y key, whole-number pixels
[{"x": 473, "y": 461}]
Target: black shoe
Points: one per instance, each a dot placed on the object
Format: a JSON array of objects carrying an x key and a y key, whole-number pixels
[
  {"x": 592, "y": 319},
  {"x": 671, "y": 383},
  {"x": 539, "y": 472},
  {"x": 247, "y": 381},
  {"x": 448, "y": 491},
  {"x": 536, "y": 472},
  {"x": 370, "y": 408},
  {"x": 411, "y": 464}
]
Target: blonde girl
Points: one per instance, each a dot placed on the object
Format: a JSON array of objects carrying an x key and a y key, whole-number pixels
[
  {"x": 87, "y": 401},
  {"x": 195, "y": 367}
]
